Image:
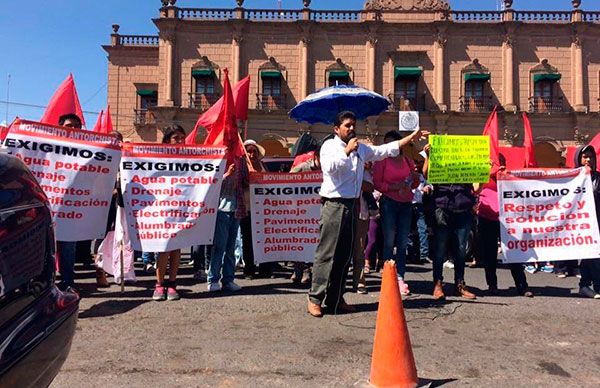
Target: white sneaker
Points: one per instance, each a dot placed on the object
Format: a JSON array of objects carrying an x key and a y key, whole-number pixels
[
  {"x": 231, "y": 286},
  {"x": 448, "y": 264},
  {"x": 213, "y": 287}
]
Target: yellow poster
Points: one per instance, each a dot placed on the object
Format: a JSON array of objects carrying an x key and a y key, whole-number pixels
[{"x": 459, "y": 159}]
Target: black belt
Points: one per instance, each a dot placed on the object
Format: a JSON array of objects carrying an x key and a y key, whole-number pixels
[{"x": 343, "y": 201}]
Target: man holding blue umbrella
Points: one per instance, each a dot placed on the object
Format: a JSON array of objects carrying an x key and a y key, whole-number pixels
[{"x": 342, "y": 163}]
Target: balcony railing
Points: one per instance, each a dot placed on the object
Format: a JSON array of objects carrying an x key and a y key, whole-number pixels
[
  {"x": 543, "y": 17},
  {"x": 202, "y": 101},
  {"x": 402, "y": 103},
  {"x": 273, "y": 15},
  {"x": 206, "y": 13},
  {"x": 475, "y": 104},
  {"x": 138, "y": 40},
  {"x": 356, "y": 16},
  {"x": 143, "y": 117},
  {"x": 476, "y": 16},
  {"x": 336, "y": 16},
  {"x": 546, "y": 105},
  {"x": 270, "y": 102}
]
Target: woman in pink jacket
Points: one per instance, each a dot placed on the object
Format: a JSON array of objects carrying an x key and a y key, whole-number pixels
[{"x": 395, "y": 179}]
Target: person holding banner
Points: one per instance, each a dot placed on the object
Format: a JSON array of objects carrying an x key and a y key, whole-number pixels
[
  {"x": 590, "y": 268},
  {"x": 67, "y": 250},
  {"x": 489, "y": 234},
  {"x": 395, "y": 179},
  {"x": 342, "y": 161},
  {"x": 231, "y": 210},
  {"x": 453, "y": 218},
  {"x": 174, "y": 134}
]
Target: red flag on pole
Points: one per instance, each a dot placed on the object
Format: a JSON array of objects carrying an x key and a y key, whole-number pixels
[
  {"x": 98, "y": 124},
  {"x": 241, "y": 93},
  {"x": 224, "y": 130},
  {"x": 107, "y": 126},
  {"x": 528, "y": 143},
  {"x": 64, "y": 101},
  {"x": 491, "y": 129}
]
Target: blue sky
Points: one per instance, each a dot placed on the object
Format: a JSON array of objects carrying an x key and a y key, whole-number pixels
[{"x": 42, "y": 41}]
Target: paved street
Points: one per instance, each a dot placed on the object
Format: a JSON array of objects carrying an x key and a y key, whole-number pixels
[{"x": 263, "y": 336}]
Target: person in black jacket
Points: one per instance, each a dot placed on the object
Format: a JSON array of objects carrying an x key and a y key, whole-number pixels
[{"x": 590, "y": 268}]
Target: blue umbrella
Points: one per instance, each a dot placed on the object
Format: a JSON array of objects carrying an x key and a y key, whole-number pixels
[{"x": 324, "y": 105}]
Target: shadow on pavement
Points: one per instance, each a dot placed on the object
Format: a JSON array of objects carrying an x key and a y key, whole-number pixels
[{"x": 112, "y": 307}]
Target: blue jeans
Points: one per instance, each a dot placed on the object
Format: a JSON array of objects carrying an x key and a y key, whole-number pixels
[
  {"x": 419, "y": 214},
  {"x": 223, "y": 254},
  {"x": 395, "y": 220},
  {"x": 148, "y": 257},
  {"x": 456, "y": 226},
  {"x": 66, "y": 262}
]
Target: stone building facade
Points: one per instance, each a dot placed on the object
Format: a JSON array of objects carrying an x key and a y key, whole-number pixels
[{"x": 452, "y": 66}]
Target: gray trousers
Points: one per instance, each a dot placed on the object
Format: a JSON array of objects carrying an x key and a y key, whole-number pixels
[{"x": 334, "y": 252}]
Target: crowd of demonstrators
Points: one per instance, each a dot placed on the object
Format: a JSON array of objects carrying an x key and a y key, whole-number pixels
[{"x": 370, "y": 197}]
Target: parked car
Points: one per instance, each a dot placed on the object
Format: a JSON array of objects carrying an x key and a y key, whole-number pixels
[{"x": 37, "y": 321}]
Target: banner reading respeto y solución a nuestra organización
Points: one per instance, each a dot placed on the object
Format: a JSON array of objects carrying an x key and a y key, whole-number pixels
[
  {"x": 171, "y": 194},
  {"x": 77, "y": 170},
  {"x": 285, "y": 211},
  {"x": 459, "y": 159},
  {"x": 547, "y": 214}
]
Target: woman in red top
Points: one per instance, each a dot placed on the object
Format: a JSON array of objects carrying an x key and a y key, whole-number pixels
[{"x": 395, "y": 179}]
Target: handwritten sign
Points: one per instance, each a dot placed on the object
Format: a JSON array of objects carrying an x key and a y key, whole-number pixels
[{"x": 459, "y": 159}]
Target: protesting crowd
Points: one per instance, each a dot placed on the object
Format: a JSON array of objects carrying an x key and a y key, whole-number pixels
[{"x": 345, "y": 209}]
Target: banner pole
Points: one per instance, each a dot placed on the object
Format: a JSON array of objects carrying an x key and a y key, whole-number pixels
[{"x": 122, "y": 266}]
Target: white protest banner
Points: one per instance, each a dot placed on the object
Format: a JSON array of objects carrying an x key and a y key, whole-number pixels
[
  {"x": 77, "y": 170},
  {"x": 408, "y": 121},
  {"x": 547, "y": 214},
  {"x": 171, "y": 194},
  {"x": 285, "y": 215}
]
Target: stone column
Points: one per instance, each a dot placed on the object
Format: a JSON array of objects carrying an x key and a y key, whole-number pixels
[
  {"x": 371, "y": 61},
  {"x": 440, "y": 67},
  {"x": 577, "y": 50},
  {"x": 236, "y": 52},
  {"x": 509, "y": 73},
  {"x": 304, "y": 63},
  {"x": 169, "y": 41}
]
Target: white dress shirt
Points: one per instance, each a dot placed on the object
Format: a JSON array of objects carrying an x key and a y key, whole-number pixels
[{"x": 343, "y": 174}]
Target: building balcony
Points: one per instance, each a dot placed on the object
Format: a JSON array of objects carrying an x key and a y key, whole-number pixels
[
  {"x": 143, "y": 117},
  {"x": 402, "y": 103},
  {"x": 268, "y": 102},
  {"x": 475, "y": 104},
  {"x": 547, "y": 105},
  {"x": 202, "y": 101}
]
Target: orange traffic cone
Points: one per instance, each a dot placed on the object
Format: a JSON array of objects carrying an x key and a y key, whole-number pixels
[{"x": 393, "y": 363}]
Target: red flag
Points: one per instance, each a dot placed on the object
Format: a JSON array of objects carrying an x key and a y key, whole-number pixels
[
  {"x": 98, "y": 124},
  {"x": 224, "y": 130},
  {"x": 64, "y": 101},
  {"x": 528, "y": 143},
  {"x": 107, "y": 126},
  {"x": 241, "y": 93},
  {"x": 491, "y": 129},
  {"x": 596, "y": 144}
]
